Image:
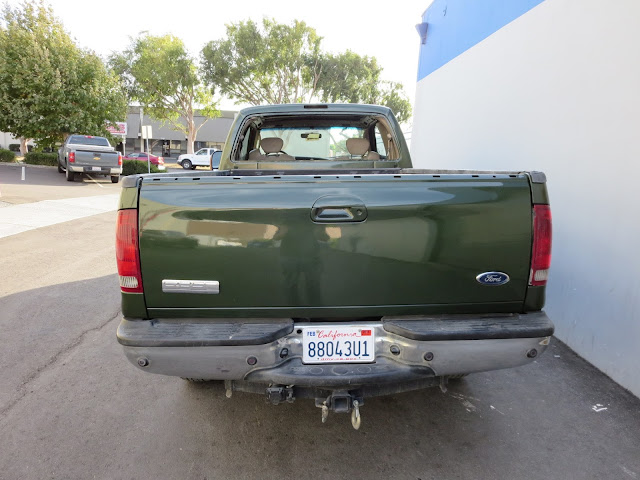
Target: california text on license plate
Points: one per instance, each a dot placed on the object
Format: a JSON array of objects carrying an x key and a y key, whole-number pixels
[{"x": 338, "y": 344}]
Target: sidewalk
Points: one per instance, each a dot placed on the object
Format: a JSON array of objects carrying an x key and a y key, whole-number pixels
[
  {"x": 20, "y": 218},
  {"x": 45, "y": 198}
]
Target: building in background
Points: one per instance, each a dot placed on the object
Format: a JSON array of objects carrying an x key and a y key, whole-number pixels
[
  {"x": 553, "y": 86},
  {"x": 9, "y": 142},
  {"x": 167, "y": 142}
]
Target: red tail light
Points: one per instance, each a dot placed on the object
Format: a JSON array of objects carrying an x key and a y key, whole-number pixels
[
  {"x": 541, "y": 254},
  {"x": 119, "y": 159},
  {"x": 127, "y": 256},
  {"x": 72, "y": 157}
]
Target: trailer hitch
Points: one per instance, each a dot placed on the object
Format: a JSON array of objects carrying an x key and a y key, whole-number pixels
[{"x": 341, "y": 401}]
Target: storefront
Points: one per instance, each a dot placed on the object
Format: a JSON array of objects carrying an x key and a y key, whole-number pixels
[{"x": 170, "y": 143}]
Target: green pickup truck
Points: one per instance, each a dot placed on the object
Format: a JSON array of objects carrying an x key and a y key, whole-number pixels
[{"x": 317, "y": 263}]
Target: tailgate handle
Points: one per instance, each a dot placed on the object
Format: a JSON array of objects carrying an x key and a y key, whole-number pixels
[{"x": 333, "y": 209}]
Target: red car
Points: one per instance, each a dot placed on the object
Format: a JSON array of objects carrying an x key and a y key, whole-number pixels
[{"x": 142, "y": 156}]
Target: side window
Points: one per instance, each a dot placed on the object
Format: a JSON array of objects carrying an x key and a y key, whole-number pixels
[
  {"x": 201, "y": 152},
  {"x": 244, "y": 149},
  {"x": 380, "y": 144}
]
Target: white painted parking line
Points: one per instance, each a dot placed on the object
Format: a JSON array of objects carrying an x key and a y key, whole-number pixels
[
  {"x": 28, "y": 216},
  {"x": 94, "y": 181}
]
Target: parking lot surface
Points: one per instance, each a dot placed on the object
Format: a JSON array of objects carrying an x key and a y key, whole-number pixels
[
  {"x": 72, "y": 407},
  {"x": 45, "y": 183}
]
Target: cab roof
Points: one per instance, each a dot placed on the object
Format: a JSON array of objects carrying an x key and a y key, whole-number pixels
[{"x": 316, "y": 107}]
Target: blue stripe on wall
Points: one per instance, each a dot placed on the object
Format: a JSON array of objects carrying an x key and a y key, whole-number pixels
[{"x": 454, "y": 26}]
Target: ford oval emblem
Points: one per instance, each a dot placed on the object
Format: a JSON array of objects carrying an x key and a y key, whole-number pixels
[{"x": 492, "y": 278}]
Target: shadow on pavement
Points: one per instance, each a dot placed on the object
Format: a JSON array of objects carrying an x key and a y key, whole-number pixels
[
  {"x": 89, "y": 412},
  {"x": 534, "y": 421},
  {"x": 43, "y": 322}
]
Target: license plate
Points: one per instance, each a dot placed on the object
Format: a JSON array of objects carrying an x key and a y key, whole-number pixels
[
  {"x": 338, "y": 345},
  {"x": 96, "y": 169}
]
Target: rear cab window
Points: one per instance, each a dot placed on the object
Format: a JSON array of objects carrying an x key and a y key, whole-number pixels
[
  {"x": 321, "y": 143},
  {"x": 317, "y": 139},
  {"x": 89, "y": 140}
]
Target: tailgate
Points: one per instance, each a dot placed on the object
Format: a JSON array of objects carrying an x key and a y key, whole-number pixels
[
  {"x": 334, "y": 246},
  {"x": 96, "y": 158}
]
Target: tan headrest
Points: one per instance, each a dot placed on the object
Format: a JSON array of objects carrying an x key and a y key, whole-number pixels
[
  {"x": 357, "y": 146},
  {"x": 271, "y": 144},
  {"x": 255, "y": 154}
]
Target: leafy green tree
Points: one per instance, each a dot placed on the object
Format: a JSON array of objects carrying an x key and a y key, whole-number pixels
[
  {"x": 49, "y": 87},
  {"x": 277, "y": 63},
  {"x": 159, "y": 73},
  {"x": 349, "y": 77},
  {"x": 392, "y": 95}
]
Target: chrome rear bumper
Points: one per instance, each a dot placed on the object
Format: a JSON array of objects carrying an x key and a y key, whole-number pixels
[
  {"x": 278, "y": 360},
  {"x": 90, "y": 169}
]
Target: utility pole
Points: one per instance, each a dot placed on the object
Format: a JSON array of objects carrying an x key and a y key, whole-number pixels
[
  {"x": 146, "y": 135},
  {"x": 148, "y": 153},
  {"x": 140, "y": 132}
]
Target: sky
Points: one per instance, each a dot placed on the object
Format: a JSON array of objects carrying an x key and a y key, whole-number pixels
[{"x": 385, "y": 30}]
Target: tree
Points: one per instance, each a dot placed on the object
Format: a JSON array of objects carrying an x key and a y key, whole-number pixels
[
  {"x": 277, "y": 63},
  {"x": 49, "y": 87},
  {"x": 160, "y": 74},
  {"x": 392, "y": 95},
  {"x": 349, "y": 77}
]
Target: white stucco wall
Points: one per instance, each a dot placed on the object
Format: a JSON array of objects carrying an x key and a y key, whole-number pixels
[
  {"x": 7, "y": 139},
  {"x": 558, "y": 90}
]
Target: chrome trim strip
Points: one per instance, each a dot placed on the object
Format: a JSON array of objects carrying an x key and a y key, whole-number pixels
[{"x": 211, "y": 287}]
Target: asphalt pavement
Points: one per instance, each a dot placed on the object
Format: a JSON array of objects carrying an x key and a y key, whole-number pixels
[
  {"x": 45, "y": 183},
  {"x": 72, "y": 407}
]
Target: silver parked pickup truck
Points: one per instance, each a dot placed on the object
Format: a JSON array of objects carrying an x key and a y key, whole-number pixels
[{"x": 88, "y": 154}]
